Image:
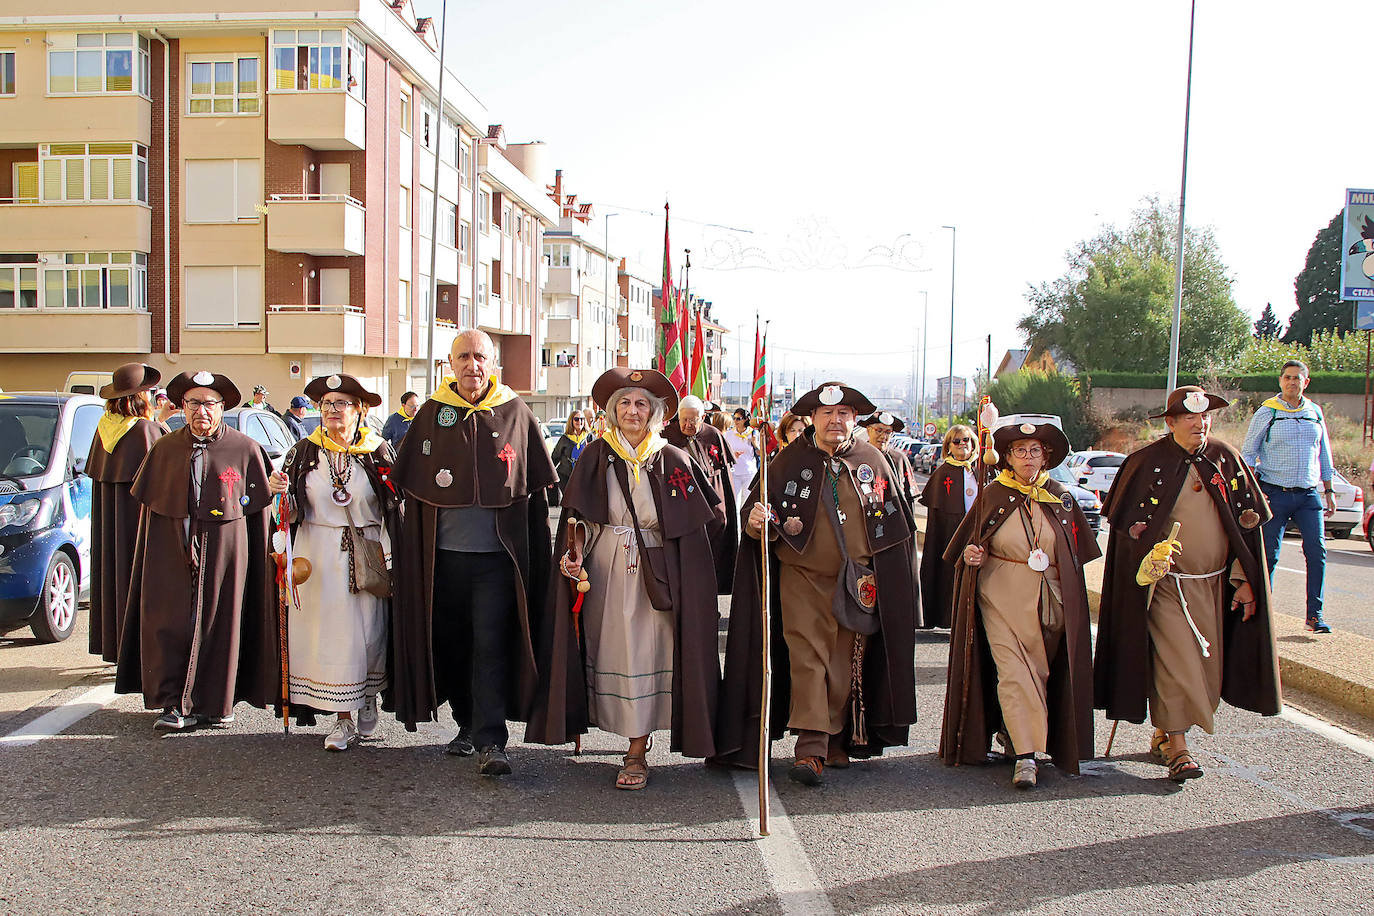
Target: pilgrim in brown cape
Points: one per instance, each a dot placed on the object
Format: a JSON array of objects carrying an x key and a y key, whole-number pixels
[
  {"x": 973, "y": 711},
  {"x": 454, "y": 456},
  {"x": 709, "y": 451},
  {"x": 1147, "y": 490},
  {"x": 943, "y": 498},
  {"x": 887, "y": 701},
  {"x": 685, "y": 504},
  {"x": 114, "y": 527},
  {"x": 201, "y": 627}
]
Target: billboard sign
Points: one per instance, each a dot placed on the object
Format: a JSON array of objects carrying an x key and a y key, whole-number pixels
[{"x": 1357, "y": 247}]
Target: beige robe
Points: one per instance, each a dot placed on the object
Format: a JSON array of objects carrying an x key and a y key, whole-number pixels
[
  {"x": 1186, "y": 688},
  {"x": 820, "y": 650},
  {"x": 1011, "y": 595}
]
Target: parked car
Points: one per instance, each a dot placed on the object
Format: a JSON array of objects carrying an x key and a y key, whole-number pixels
[
  {"x": 1350, "y": 511},
  {"x": 1368, "y": 531},
  {"x": 1095, "y": 470},
  {"x": 555, "y": 428},
  {"x": 928, "y": 457},
  {"x": 45, "y": 509},
  {"x": 1087, "y": 500},
  {"x": 263, "y": 426}
]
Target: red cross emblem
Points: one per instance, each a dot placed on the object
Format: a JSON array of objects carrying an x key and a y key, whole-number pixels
[
  {"x": 948, "y": 481},
  {"x": 881, "y": 486},
  {"x": 229, "y": 477},
  {"x": 1219, "y": 483},
  {"x": 1073, "y": 528},
  {"x": 507, "y": 454},
  {"x": 715, "y": 451},
  {"x": 680, "y": 479}
]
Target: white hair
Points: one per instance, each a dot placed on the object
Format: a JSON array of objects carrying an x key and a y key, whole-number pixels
[
  {"x": 658, "y": 406},
  {"x": 691, "y": 402}
]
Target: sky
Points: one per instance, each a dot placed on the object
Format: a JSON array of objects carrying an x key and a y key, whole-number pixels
[{"x": 844, "y": 136}]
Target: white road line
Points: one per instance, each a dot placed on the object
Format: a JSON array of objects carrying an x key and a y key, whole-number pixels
[
  {"x": 789, "y": 870},
  {"x": 63, "y": 717},
  {"x": 1329, "y": 732}
]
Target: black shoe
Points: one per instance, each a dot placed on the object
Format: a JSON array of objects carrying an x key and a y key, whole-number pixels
[
  {"x": 213, "y": 721},
  {"x": 173, "y": 721},
  {"x": 493, "y": 761},
  {"x": 461, "y": 746}
]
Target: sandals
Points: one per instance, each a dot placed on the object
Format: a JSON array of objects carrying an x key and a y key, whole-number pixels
[
  {"x": 634, "y": 775},
  {"x": 1157, "y": 745},
  {"x": 1182, "y": 767},
  {"x": 807, "y": 771}
]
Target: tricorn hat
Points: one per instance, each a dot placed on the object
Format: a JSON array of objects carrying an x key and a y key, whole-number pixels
[
  {"x": 651, "y": 380},
  {"x": 828, "y": 394},
  {"x": 885, "y": 418},
  {"x": 344, "y": 384},
  {"x": 1190, "y": 399},
  {"x": 130, "y": 378},
  {"x": 204, "y": 378},
  {"x": 1056, "y": 444}
]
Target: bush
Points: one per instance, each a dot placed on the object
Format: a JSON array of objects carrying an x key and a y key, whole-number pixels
[
  {"x": 1033, "y": 391},
  {"x": 1323, "y": 382}
]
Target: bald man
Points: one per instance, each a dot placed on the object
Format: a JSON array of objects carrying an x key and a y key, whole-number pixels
[{"x": 707, "y": 446}]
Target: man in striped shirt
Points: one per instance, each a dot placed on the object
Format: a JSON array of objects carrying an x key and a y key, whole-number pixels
[{"x": 1290, "y": 449}]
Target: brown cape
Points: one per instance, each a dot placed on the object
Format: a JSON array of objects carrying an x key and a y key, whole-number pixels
[
  {"x": 1145, "y": 489},
  {"x": 889, "y": 674},
  {"x": 200, "y": 632},
  {"x": 469, "y": 451},
  {"x": 972, "y": 711},
  {"x": 904, "y": 476},
  {"x": 114, "y": 528},
  {"x": 943, "y": 498},
  {"x": 709, "y": 451},
  {"x": 560, "y": 712}
]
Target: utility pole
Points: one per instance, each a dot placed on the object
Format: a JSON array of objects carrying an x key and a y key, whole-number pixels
[
  {"x": 1182, "y": 200},
  {"x": 953, "y": 241},
  {"x": 434, "y": 218}
]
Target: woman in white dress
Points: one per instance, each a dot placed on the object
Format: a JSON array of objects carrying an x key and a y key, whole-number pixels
[
  {"x": 340, "y": 505},
  {"x": 743, "y": 442}
]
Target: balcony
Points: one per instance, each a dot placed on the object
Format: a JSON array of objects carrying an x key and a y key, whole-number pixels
[
  {"x": 319, "y": 224},
  {"x": 564, "y": 381},
  {"x": 445, "y": 261},
  {"x": 562, "y": 330},
  {"x": 78, "y": 330},
  {"x": 32, "y": 116},
  {"x": 332, "y": 329},
  {"x": 317, "y": 119},
  {"x": 76, "y": 227},
  {"x": 445, "y": 333},
  {"x": 563, "y": 281}
]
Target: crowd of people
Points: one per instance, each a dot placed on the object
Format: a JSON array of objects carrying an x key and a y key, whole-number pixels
[{"x": 408, "y": 568}]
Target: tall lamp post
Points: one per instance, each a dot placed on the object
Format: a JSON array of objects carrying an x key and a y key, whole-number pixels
[
  {"x": 953, "y": 240},
  {"x": 434, "y": 215},
  {"x": 609, "y": 296},
  {"x": 1182, "y": 199}
]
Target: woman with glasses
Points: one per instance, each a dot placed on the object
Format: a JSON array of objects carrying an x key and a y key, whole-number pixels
[
  {"x": 569, "y": 447},
  {"x": 1020, "y": 600},
  {"x": 343, "y": 513},
  {"x": 947, "y": 496},
  {"x": 744, "y": 453}
]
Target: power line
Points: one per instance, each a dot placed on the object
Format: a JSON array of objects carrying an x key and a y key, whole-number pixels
[{"x": 678, "y": 219}]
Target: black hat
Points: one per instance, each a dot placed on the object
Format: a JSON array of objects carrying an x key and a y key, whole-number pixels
[
  {"x": 828, "y": 394},
  {"x": 130, "y": 378},
  {"x": 651, "y": 380},
  {"x": 1190, "y": 399},
  {"x": 885, "y": 418},
  {"x": 344, "y": 384},
  {"x": 204, "y": 378},
  {"x": 1056, "y": 444}
]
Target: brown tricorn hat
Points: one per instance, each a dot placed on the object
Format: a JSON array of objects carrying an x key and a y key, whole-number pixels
[
  {"x": 344, "y": 384},
  {"x": 130, "y": 378},
  {"x": 651, "y": 380},
  {"x": 1056, "y": 444},
  {"x": 828, "y": 394},
  {"x": 885, "y": 418},
  {"x": 203, "y": 378},
  {"x": 1190, "y": 399}
]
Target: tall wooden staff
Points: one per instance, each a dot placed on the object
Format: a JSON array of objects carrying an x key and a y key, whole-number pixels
[{"x": 766, "y": 694}]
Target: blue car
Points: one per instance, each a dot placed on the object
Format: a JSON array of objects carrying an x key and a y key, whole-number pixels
[{"x": 45, "y": 509}]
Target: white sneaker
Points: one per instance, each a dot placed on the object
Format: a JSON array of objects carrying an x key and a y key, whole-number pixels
[
  {"x": 344, "y": 734},
  {"x": 1023, "y": 777},
  {"x": 367, "y": 717}
]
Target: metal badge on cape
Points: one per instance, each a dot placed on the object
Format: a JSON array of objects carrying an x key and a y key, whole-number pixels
[
  {"x": 447, "y": 416},
  {"x": 444, "y": 478},
  {"x": 1038, "y": 560}
]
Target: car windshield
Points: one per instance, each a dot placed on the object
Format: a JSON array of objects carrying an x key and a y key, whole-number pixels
[
  {"x": 1106, "y": 461},
  {"x": 26, "y": 437},
  {"x": 178, "y": 420},
  {"x": 1061, "y": 474}
]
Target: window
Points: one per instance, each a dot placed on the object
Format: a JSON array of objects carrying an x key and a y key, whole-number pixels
[
  {"x": 334, "y": 286},
  {"x": 96, "y": 63},
  {"x": 19, "y": 283},
  {"x": 223, "y": 190},
  {"x": 429, "y": 126},
  {"x": 405, "y": 207},
  {"x": 311, "y": 59},
  {"x": 405, "y": 114},
  {"x": 224, "y": 86},
  {"x": 422, "y": 310},
  {"x": 558, "y": 255},
  {"x": 26, "y": 182},
  {"x": 449, "y": 150},
  {"x": 223, "y": 297},
  {"x": 484, "y": 211},
  {"x": 97, "y": 280},
  {"x": 91, "y": 172},
  {"x": 506, "y": 224},
  {"x": 403, "y": 300},
  {"x": 426, "y": 213},
  {"x": 448, "y": 223},
  {"x": 464, "y": 160},
  {"x": 6, "y": 73},
  {"x": 465, "y": 241}
]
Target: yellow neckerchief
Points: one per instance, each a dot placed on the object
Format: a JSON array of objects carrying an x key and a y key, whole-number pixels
[
  {"x": 649, "y": 446},
  {"x": 1035, "y": 491},
  {"x": 965, "y": 463},
  {"x": 365, "y": 446},
  {"x": 576, "y": 437},
  {"x": 1277, "y": 403},
  {"x": 112, "y": 428},
  {"x": 497, "y": 394}
]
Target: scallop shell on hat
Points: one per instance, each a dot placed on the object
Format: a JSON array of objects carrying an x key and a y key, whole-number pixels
[
  {"x": 885, "y": 419},
  {"x": 203, "y": 378},
  {"x": 831, "y": 395},
  {"x": 1028, "y": 428},
  {"x": 1196, "y": 401},
  {"x": 333, "y": 381}
]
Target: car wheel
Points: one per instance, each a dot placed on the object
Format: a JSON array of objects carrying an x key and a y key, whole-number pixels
[
  {"x": 1369, "y": 537},
  {"x": 1340, "y": 532},
  {"x": 56, "y": 616}
]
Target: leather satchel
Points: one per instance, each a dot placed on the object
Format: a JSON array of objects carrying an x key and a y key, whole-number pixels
[
  {"x": 855, "y": 604},
  {"x": 652, "y": 559},
  {"x": 369, "y": 562}
]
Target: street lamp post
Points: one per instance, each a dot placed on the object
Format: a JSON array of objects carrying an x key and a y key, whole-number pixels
[
  {"x": 608, "y": 296},
  {"x": 953, "y": 240},
  {"x": 1182, "y": 199},
  {"x": 434, "y": 215}
]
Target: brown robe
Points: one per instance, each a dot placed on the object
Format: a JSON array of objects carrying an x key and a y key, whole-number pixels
[
  {"x": 560, "y": 713},
  {"x": 200, "y": 632},
  {"x": 889, "y": 675},
  {"x": 943, "y": 498},
  {"x": 469, "y": 452},
  {"x": 114, "y": 528},
  {"x": 709, "y": 451},
  {"x": 904, "y": 476},
  {"x": 972, "y": 708},
  {"x": 1146, "y": 489}
]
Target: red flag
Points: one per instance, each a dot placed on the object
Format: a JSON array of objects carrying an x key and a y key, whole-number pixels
[
  {"x": 668, "y": 301},
  {"x": 684, "y": 329},
  {"x": 760, "y": 387},
  {"x": 697, "y": 377}
]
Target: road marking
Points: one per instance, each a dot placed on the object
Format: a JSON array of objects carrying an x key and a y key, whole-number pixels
[
  {"x": 1344, "y": 819},
  {"x": 1329, "y": 732},
  {"x": 63, "y": 717},
  {"x": 789, "y": 870}
]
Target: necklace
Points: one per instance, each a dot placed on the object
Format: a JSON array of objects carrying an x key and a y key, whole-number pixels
[
  {"x": 339, "y": 473},
  {"x": 833, "y": 472}
]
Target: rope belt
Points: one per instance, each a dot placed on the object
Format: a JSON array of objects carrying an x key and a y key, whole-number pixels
[
  {"x": 630, "y": 543},
  {"x": 1178, "y": 584}
]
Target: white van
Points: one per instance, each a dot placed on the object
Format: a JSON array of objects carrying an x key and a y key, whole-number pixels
[{"x": 87, "y": 382}]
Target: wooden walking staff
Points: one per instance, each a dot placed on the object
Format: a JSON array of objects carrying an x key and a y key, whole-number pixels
[
  {"x": 766, "y": 693},
  {"x": 291, "y": 572},
  {"x": 575, "y": 553}
]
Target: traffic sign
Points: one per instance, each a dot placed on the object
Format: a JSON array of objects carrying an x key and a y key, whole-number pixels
[{"x": 930, "y": 430}]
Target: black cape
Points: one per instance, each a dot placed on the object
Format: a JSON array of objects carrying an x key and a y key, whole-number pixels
[{"x": 709, "y": 451}]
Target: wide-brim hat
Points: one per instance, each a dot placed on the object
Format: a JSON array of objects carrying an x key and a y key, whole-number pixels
[
  {"x": 1190, "y": 399},
  {"x": 130, "y": 378},
  {"x": 1051, "y": 437},
  {"x": 651, "y": 380},
  {"x": 344, "y": 384},
  {"x": 829, "y": 394},
  {"x": 885, "y": 418},
  {"x": 203, "y": 378}
]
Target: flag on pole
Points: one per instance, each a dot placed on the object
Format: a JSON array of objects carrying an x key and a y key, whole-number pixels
[
  {"x": 760, "y": 388},
  {"x": 671, "y": 358},
  {"x": 699, "y": 386},
  {"x": 684, "y": 330}
]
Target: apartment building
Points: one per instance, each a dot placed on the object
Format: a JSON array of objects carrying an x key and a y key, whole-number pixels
[
  {"x": 634, "y": 317},
  {"x": 253, "y": 189}
]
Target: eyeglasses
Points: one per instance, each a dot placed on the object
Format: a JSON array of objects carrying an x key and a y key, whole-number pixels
[
  {"x": 336, "y": 406},
  {"x": 195, "y": 405},
  {"x": 965, "y": 440},
  {"x": 1034, "y": 451}
]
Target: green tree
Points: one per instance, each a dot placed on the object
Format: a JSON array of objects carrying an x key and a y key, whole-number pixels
[
  {"x": 1318, "y": 289},
  {"x": 1112, "y": 309},
  {"x": 1267, "y": 327},
  {"x": 1033, "y": 391}
]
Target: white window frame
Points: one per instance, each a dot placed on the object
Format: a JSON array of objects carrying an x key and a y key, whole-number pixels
[
  {"x": 235, "y": 99},
  {"x": 348, "y": 51},
  {"x": 12, "y": 72},
  {"x": 138, "y": 172},
  {"x": 240, "y": 280},
  {"x": 104, "y": 262},
  {"x": 79, "y": 44},
  {"x": 14, "y": 272},
  {"x": 250, "y": 183}
]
